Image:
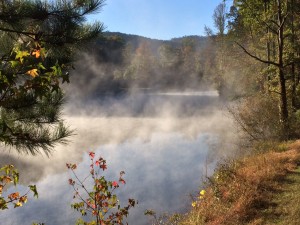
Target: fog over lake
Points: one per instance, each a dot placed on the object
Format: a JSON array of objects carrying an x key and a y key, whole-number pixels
[{"x": 164, "y": 141}]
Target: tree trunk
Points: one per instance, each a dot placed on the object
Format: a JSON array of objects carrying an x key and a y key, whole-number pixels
[
  {"x": 284, "y": 114},
  {"x": 266, "y": 6},
  {"x": 293, "y": 69}
]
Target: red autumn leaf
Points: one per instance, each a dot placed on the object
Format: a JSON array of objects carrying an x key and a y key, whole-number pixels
[
  {"x": 92, "y": 155},
  {"x": 103, "y": 166},
  {"x": 122, "y": 181},
  {"x": 97, "y": 163},
  {"x": 115, "y": 184},
  {"x": 14, "y": 196},
  {"x": 91, "y": 205},
  {"x": 71, "y": 182},
  {"x": 105, "y": 204}
]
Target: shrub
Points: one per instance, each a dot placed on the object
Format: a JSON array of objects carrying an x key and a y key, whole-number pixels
[
  {"x": 258, "y": 117},
  {"x": 100, "y": 203}
]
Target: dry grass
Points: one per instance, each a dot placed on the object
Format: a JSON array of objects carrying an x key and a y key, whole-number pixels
[{"x": 241, "y": 190}]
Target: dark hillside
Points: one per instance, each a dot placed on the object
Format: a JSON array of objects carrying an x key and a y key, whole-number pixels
[{"x": 117, "y": 62}]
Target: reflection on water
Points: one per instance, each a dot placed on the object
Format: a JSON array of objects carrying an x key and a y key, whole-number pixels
[{"x": 163, "y": 156}]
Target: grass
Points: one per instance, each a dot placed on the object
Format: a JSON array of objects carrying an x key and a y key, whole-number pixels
[
  {"x": 263, "y": 188},
  {"x": 286, "y": 202}
]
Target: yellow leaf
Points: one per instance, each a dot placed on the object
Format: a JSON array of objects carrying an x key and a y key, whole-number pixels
[
  {"x": 18, "y": 204},
  {"x": 32, "y": 72},
  {"x": 21, "y": 54}
]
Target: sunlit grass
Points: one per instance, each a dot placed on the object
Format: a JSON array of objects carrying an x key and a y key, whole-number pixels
[
  {"x": 259, "y": 189},
  {"x": 286, "y": 202}
]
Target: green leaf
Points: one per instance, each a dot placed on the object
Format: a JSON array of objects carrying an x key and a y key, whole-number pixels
[
  {"x": 3, "y": 204},
  {"x": 56, "y": 70},
  {"x": 83, "y": 212},
  {"x": 21, "y": 54},
  {"x": 33, "y": 189},
  {"x": 14, "y": 63},
  {"x": 41, "y": 66},
  {"x": 16, "y": 177}
]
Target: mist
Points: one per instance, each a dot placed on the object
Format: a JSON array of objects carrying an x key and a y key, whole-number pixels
[{"x": 166, "y": 138}]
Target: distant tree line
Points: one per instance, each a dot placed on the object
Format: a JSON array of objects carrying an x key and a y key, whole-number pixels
[{"x": 121, "y": 62}]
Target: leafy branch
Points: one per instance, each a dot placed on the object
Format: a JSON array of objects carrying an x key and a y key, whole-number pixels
[
  {"x": 10, "y": 175},
  {"x": 101, "y": 203}
]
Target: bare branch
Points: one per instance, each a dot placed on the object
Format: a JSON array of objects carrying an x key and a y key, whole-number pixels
[
  {"x": 276, "y": 92},
  {"x": 241, "y": 124},
  {"x": 256, "y": 57}
]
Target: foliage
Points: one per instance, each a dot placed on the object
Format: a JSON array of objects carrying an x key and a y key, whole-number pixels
[
  {"x": 257, "y": 117},
  {"x": 9, "y": 175},
  {"x": 31, "y": 100},
  {"x": 101, "y": 203},
  {"x": 270, "y": 36},
  {"x": 39, "y": 42},
  {"x": 219, "y": 18}
]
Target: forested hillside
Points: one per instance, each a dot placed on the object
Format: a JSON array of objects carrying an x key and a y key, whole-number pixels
[{"x": 117, "y": 62}]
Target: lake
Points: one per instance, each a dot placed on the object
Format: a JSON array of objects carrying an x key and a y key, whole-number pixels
[{"x": 166, "y": 142}]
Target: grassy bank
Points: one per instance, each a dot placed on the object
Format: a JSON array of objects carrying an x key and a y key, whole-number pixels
[{"x": 263, "y": 188}]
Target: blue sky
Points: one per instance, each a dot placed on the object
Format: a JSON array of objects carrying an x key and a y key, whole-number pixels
[{"x": 159, "y": 19}]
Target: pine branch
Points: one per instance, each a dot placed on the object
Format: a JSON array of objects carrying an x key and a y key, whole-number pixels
[
  {"x": 31, "y": 126},
  {"x": 30, "y": 118},
  {"x": 28, "y": 34}
]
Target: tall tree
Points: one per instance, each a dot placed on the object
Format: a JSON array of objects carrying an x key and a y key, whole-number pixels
[
  {"x": 219, "y": 18},
  {"x": 273, "y": 21},
  {"x": 39, "y": 42},
  {"x": 218, "y": 39}
]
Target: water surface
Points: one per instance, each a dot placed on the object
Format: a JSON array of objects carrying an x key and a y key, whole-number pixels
[{"x": 165, "y": 142}]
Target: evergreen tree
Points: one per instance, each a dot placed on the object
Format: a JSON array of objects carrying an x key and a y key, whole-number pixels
[{"x": 39, "y": 42}]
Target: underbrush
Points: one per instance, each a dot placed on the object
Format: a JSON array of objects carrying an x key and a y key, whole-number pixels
[{"x": 241, "y": 189}]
